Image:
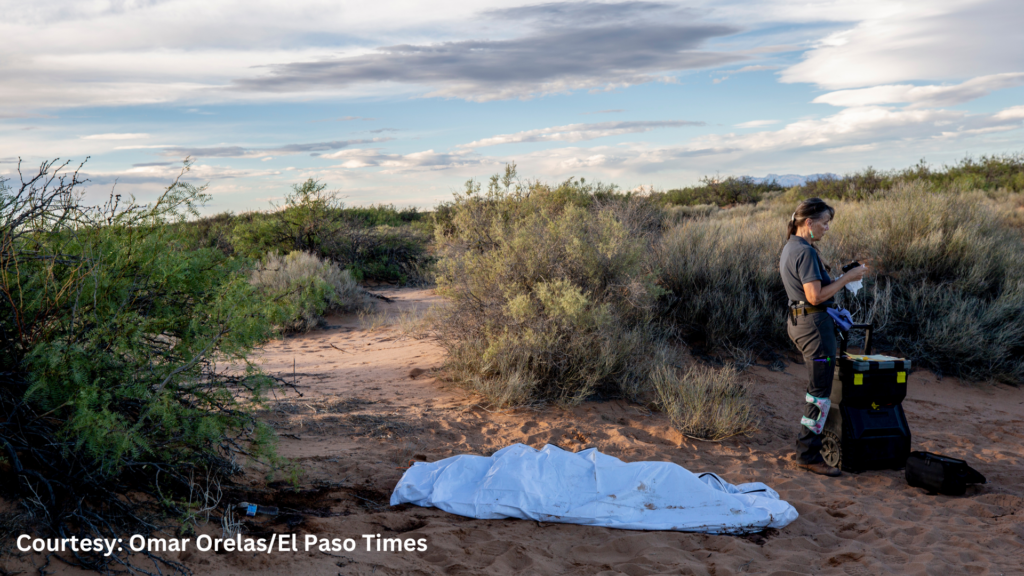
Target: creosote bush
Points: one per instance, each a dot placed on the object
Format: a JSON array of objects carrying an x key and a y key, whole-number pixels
[
  {"x": 308, "y": 287},
  {"x": 550, "y": 292}
]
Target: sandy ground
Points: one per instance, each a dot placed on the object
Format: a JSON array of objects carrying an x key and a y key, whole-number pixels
[{"x": 371, "y": 405}]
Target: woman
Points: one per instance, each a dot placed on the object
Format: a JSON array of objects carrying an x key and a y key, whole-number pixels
[{"x": 810, "y": 290}]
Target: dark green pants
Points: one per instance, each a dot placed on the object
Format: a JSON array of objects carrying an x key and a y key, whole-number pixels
[{"x": 815, "y": 337}]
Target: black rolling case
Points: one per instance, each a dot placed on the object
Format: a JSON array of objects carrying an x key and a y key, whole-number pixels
[{"x": 866, "y": 427}]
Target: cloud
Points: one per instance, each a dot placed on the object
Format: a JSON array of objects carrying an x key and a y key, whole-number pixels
[
  {"x": 380, "y": 130},
  {"x": 743, "y": 70},
  {"x": 243, "y": 152},
  {"x": 22, "y": 115},
  {"x": 756, "y": 123},
  {"x": 599, "y": 46},
  {"x": 555, "y": 14},
  {"x": 937, "y": 40},
  {"x": 852, "y": 125},
  {"x": 152, "y": 164},
  {"x": 923, "y": 96},
  {"x": 866, "y": 125},
  {"x": 165, "y": 172},
  {"x": 1013, "y": 113},
  {"x": 580, "y": 132},
  {"x": 427, "y": 160},
  {"x": 114, "y": 136},
  {"x": 755, "y": 68}
]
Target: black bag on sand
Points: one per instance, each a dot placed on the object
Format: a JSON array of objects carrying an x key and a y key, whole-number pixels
[{"x": 937, "y": 473}]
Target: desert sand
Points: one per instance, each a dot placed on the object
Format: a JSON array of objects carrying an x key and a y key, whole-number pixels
[{"x": 371, "y": 403}]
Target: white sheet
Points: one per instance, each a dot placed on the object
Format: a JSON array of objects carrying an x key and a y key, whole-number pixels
[{"x": 553, "y": 485}]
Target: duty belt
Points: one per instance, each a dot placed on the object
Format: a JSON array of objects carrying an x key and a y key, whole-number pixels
[{"x": 802, "y": 308}]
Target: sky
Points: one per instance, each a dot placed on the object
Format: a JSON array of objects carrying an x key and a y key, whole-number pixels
[{"x": 402, "y": 102}]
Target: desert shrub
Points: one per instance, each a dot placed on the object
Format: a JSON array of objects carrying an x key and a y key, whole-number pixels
[
  {"x": 675, "y": 214},
  {"x": 724, "y": 274},
  {"x": 720, "y": 192},
  {"x": 380, "y": 243},
  {"x": 308, "y": 287},
  {"x": 987, "y": 173},
  {"x": 705, "y": 402},
  {"x": 550, "y": 292},
  {"x": 124, "y": 359},
  {"x": 951, "y": 271}
]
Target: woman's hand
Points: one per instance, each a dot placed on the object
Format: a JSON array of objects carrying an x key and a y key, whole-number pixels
[
  {"x": 815, "y": 294},
  {"x": 855, "y": 274}
]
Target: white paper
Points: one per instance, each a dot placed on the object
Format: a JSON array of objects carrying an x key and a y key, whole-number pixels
[
  {"x": 854, "y": 286},
  {"x": 553, "y": 485}
]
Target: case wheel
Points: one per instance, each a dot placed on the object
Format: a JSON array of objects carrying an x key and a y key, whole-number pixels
[{"x": 831, "y": 449}]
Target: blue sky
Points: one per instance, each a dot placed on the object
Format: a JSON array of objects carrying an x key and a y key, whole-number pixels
[{"x": 401, "y": 102}]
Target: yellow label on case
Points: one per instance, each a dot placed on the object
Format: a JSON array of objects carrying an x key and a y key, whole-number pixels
[
  {"x": 858, "y": 379},
  {"x": 901, "y": 377}
]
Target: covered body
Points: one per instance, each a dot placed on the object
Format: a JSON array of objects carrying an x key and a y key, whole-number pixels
[{"x": 591, "y": 488}]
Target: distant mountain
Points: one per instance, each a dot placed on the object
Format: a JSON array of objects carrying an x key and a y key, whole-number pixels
[{"x": 789, "y": 180}]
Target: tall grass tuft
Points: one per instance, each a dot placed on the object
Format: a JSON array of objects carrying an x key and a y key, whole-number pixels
[{"x": 705, "y": 402}]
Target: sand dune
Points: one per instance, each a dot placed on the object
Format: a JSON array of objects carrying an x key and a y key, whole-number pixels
[{"x": 370, "y": 405}]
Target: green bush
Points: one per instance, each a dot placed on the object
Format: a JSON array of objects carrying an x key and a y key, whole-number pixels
[
  {"x": 987, "y": 173},
  {"x": 309, "y": 287},
  {"x": 124, "y": 356},
  {"x": 719, "y": 192},
  {"x": 380, "y": 243},
  {"x": 550, "y": 292}
]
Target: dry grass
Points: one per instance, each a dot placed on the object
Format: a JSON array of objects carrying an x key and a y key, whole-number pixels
[
  {"x": 948, "y": 288},
  {"x": 705, "y": 403}
]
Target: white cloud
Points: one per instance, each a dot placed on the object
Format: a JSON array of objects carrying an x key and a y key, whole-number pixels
[
  {"x": 1014, "y": 113},
  {"x": 165, "y": 173},
  {"x": 850, "y": 132},
  {"x": 115, "y": 136},
  {"x": 848, "y": 126},
  {"x": 427, "y": 160},
  {"x": 756, "y": 123},
  {"x": 580, "y": 132},
  {"x": 57, "y": 54},
  {"x": 918, "y": 40},
  {"x": 922, "y": 96}
]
